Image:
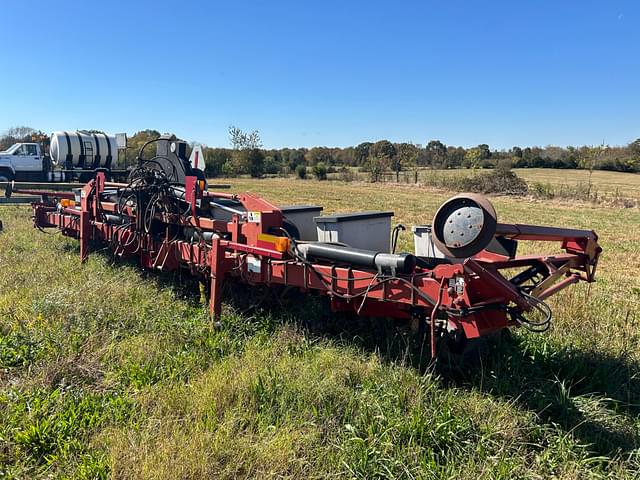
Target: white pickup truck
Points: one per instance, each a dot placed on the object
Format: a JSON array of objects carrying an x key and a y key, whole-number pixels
[{"x": 25, "y": 162}]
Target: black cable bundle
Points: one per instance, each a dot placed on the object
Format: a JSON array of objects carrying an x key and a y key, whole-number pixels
[{"x": 150, "y": 191}]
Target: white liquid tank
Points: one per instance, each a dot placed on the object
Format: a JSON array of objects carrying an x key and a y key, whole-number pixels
[{"x": 84, "y": 150}]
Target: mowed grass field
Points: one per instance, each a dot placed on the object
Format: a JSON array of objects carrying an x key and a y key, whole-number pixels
[
  {"x": 110, "y": 372},
  {"x": 627, "y": 184},
  {"x": 605, "y": 186}
]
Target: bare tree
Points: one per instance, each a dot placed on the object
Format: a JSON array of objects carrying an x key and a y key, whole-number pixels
[
  {"x": 589, "y": 160},
  {"x": 244, "y": 141},
  {"x": 247, "y": 156},
  {"x": 19, "y": 132}
]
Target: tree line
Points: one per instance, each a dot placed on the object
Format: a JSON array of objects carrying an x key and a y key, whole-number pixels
[
  {"x": 383, "y": 156},
  {"x": 247, "y": 156}
]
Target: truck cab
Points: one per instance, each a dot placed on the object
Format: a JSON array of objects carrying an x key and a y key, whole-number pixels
[{"x": 22, "y": 161}]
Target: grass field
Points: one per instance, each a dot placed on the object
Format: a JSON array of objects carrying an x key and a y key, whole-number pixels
[
  {"x": 599, "y": 185},
  {"x": 628, "y": 183},
  {"x": 108, "y": 371}
]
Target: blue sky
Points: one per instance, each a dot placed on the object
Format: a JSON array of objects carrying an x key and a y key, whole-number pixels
[{"x": 331, "y": 73}]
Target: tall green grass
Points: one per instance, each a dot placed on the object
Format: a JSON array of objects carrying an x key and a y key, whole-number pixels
[{"x": 110, "y": 372}]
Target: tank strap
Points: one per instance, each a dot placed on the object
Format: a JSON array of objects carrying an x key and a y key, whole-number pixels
[
  {"x": 96, "y": 157},
  {"x": 107, "y": 163},
  {"x": 82, "y": 156},
  {"x": 69, "y": 160}
]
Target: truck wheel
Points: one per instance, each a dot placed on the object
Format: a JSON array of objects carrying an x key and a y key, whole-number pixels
[{"x": 5, "y": 176}]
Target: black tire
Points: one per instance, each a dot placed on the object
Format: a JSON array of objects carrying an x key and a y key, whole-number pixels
[{"x": 6, "y": 176}]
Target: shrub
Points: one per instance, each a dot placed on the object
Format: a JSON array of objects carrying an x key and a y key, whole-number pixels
[
  {"x": 271, "y": 165},
  {"x": 376, "y": 166},
  {"x": 228, "y": 169},
  {"x": 346, "y": 174},
  {"x": 501, "y": 180},
  {"x": 301, "y": 172},
  {"x": 320, "y": 171}
]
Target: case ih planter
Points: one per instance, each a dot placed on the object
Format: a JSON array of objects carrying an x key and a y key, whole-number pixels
[{"x": 167, "y": 219}]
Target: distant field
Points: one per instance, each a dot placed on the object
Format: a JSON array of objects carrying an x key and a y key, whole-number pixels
[
  {"x": 628, "y": 183},
  {"x": 414, "y": 206},
  {"x": 604, "y": 183},
  {"x": 106, "y": 371}
]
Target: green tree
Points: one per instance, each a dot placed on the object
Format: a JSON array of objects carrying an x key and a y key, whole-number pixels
[
  {"x": 247, "y": 157},
  {"x": 239, "y": 163},
  {"x": 319, "y": 154},
  {"x": 320, "y": 171},
  {"x": 243, "y": 162},
  {"x": 436, "y": 153},
  {"x": 215, "y": 158},
  {"x": 271, "y": 164},
  {"x": 406, "y": 157},
  {"x": 256, "y": 162},
  {"x": 301, "y": 171},
  {"x": 485, "y": 151},
  {"x": 383, "y": 148},
  {"x": 473, "y": 158},
  {"x": 361, "y": 153},
  {"x": 455, "y": 156},
  {"x": 346, "y": 156},
  {"x": 381, "y": 156},
  {"x": 516, "y": 152},
  {"x": 377, "y": 166},
  {"x": 135, "y": 143},
  {"x": 296, "y": 157}
]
